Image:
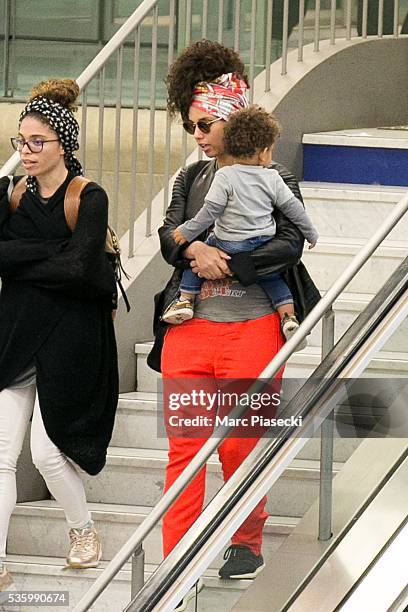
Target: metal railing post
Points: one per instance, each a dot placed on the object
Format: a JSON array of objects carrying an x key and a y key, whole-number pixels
[
  {"x": 285, "y": 33},
  {"x": 220, "y": 27},
  {"x": 364, "y": 19},
  {"x": 268, "y": 48},
  {"x": 11, "y": 54},
  {"x": 252, "y": 51},
  {"x": 83, "y": 127},
  {"x": 327, "y": 332},
  {"x": 317, "y": 26},
  {"x": 118, "y": 124},
  {"x": 101, "y": 123},
  {"x": 396, "y": 18},
  {"x": 348, "y": 19},
  {"x": 6, "y": 51},
  {"x": 333, "y": 22},
  {"x": 135, "y": 128},
  {"x": 326, "y": 443},
  {"x": 204, "y": 21},
  {"x": 237, "y": 23},
  {"x": 152, "y": 120},
  {"x": 170, "y": 57},
  {"x": 137, "y": 579},
  {"x": 380, "y": 29}
]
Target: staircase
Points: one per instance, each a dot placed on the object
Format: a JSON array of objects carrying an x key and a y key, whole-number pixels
[
  {"x": 132, "y": 481},
  {"x": 124, "y": 493}
]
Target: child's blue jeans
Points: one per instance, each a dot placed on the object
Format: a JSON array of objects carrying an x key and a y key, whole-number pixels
[{"x": 273, "y": 284}]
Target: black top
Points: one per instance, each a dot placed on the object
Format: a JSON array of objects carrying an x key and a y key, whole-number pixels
[{"x": 55, "y": 312}]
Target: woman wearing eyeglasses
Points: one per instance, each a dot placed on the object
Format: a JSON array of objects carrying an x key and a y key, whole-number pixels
[
  {"x": 58, "y": 359},
  {"x": 235, "y": 332}
]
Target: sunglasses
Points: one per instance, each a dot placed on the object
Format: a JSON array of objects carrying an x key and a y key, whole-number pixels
[{"x": 204, "y": 125}]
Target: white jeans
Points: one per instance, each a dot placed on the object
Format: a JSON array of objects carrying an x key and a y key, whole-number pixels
[{"x": 63, "y": 480}]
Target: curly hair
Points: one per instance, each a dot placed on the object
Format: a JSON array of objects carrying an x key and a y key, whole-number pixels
[
  {"x": 204, "y": 60},
  {"x": 250, "y": 130},
  {"x": 64, "y": 91}
]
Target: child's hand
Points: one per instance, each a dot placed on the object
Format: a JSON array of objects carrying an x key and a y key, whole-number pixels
[
  {"x": 178, "y": 237},
  {"x": 311, "y": 245}
]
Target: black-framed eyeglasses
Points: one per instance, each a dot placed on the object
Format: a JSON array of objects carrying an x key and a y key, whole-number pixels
[
  {"x": 204, "y": 125},
  {"x": 35, "y": 145}
]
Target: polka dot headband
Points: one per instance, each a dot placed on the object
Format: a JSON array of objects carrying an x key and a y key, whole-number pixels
[{"x": 63, "y": 122}]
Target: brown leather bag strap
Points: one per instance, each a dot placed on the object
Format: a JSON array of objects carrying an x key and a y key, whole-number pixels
[
  {"x": 72, "y": 200},
  {"x": 16, "y": 194}
]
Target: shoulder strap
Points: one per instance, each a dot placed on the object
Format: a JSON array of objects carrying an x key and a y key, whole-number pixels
[
  {"x": 16, "y": 193},
  {"x": 72, "y": 200}
]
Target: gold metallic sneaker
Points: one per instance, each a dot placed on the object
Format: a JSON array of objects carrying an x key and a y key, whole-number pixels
[
  {"x": 6, "y": 586},
  {"x": 85, "y": 550},
  {"x": 179, "y": 311}
]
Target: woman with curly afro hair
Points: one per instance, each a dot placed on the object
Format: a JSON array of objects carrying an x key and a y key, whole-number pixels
[
  {"x": 239, "y": 205},
  {"x": 58, "y": 358},
  {"x": 235, "y": 331}
]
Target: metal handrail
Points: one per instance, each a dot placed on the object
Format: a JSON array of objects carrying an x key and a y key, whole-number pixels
[
  {"x": 115, "y": 42},
  {"x": 211, "y": 444}
]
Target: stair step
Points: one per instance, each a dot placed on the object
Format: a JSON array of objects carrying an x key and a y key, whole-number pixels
[
  {"x": 300, "y": 365},
  {"x": 34, "y": 573},
  {"x": 327, "y": 261},
  {"x": 345, "y": 209},
  {"x": 347, "y": 308},
  {"x": 365, "y": 155},
  {"x": 136, "y": 477},
  {"x": 385, "y": 365},
  {"x": 136, "y": 422},
  {"x": 41, "y": 526},
  {"x": 136, "y": 427}
]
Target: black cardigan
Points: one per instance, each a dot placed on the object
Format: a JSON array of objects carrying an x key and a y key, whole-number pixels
[
  {"x": 282, "y": 254},
  {"x": 55, "y": 312}
]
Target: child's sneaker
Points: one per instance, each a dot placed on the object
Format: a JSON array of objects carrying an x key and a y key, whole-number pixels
[
  {"x": 290, "y": 325},
  {"x": 6, "y": 586},
  {"x": 178, "y": 311}
]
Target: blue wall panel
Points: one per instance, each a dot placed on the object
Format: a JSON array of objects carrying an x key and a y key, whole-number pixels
[{"x": 337, "y": 164}]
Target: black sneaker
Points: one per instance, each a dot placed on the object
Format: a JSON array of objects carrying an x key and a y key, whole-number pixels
[
  {"x": 191, "y": 594},
  {"x": 241, "y": 563}
]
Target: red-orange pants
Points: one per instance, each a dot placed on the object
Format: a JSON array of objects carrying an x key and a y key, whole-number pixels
[{"x": 205, "y": 349}]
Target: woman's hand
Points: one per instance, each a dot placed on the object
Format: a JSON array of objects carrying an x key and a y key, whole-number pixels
[
  {"x": 207, "y": 261},
  {"x": 178, "y": 237}
]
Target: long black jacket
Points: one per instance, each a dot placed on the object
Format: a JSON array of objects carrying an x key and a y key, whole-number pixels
[
  {"x": 55, "y": 313},
  {"x": 282, "y": 254}
]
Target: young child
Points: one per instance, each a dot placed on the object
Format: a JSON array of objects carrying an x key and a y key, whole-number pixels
[{"x": 239, "y": 204}]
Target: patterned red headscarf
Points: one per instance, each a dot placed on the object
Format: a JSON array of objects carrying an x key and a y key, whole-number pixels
[{"x": 221, "y": 98}]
